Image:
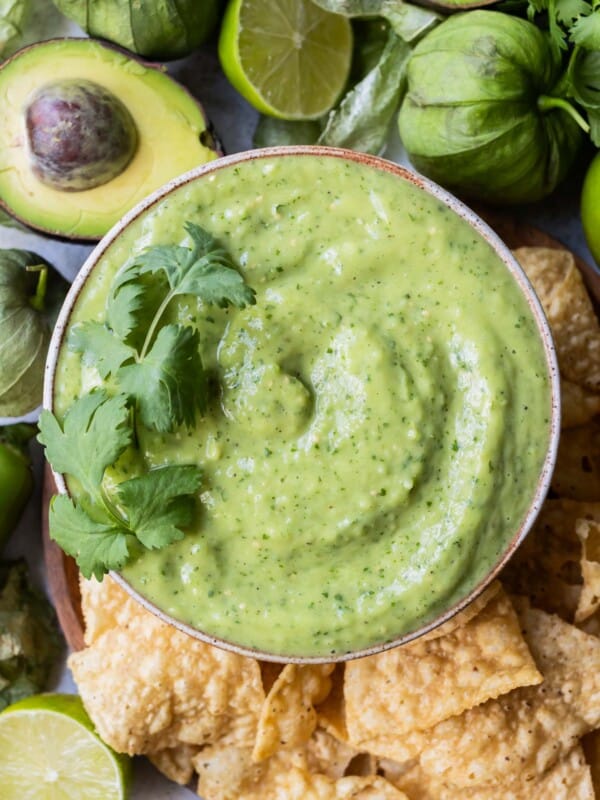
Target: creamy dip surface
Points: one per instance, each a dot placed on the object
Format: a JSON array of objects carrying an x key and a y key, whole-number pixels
[{"x": 379, "y": 418}]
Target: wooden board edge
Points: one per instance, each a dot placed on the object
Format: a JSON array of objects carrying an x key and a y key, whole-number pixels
[{"x": 62, "y": 575}]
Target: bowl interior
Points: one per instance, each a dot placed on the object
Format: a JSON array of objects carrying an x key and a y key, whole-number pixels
[{"x": 136, "y": 222}]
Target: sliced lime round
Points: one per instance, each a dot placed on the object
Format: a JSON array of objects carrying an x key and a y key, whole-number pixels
[
  {"x": 50, "y": 751},
  {"x": 289, "y": 58}
]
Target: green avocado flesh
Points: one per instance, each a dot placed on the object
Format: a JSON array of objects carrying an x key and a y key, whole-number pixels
[
  {"x": 381, "y": 418},
  {"x": 169, "y": 126}
]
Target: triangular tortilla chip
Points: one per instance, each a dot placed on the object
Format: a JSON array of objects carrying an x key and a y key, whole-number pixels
[
  {"x": 288, "y": 717},
  {"x": 575, "y": 328},
  {"x": 577, "y": 471},
  {"x": 148, "y": 687},
  {"x": 547, "y": 566},
  {"x": 412, "y": 688},
  {"x": 589, "y": 602},
  {"x": 569, "y": 779},
  {"x": 578, "y": 406}
]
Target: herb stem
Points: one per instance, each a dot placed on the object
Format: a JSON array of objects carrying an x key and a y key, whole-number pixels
[
  {"x": 546, "y": 103},
  {"x": 37, "y": 301},
  {"x": 112, "y": 510},
  {"x": 154, "y": 324}
]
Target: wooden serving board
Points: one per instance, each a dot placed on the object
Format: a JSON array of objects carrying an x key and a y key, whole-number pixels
[
  {"x": 62, "y": 575},
  {"x": 62, "y": 572}
]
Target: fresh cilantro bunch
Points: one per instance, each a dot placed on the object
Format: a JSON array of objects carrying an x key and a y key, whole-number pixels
[
  {"x": 574, "y": 28},
  {"x": 155, "y": 373},
  {"x": 159, "y": 366}
]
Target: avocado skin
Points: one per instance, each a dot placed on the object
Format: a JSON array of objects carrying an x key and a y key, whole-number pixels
[{"x": 173, "y": 136}]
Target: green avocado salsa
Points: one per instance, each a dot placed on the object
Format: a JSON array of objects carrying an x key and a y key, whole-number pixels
[{"x": 378, "y": 421}]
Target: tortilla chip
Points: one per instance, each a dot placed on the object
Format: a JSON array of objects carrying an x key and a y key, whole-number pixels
[
  {"x": 578, "y": 405},
  {"x": 412, "y": 688},
  {"x": 569, "y": 779},
  {"x": 545, "y": 267},
  {"x": 269, "y": 673},
  {"x": 287, "y": 776},
  {"x": 331, "y": 713},
  {"x": 409, "y": 778},
  {"x": 577, "y": 471},
  {"x": 105, "y": 605},
  {"x": 589, "y": 601},
  {"x": 575, "y": 328},
  {"x": 529, "y": 730},
  {"x": 226, "y": 772},
  {"x": 149, "y": 687},
  {"x": 591, "y": 625},
  {"x": 176, "y": 762},
  {"x": 547, "y": 566},
  {"x": 288, "y": 717},
  {"x": 329, "y": 756},
  {"x": 464, "y": 616},
  {"x": 362, "y": 764},
  {"x": 591, "y": 748}
]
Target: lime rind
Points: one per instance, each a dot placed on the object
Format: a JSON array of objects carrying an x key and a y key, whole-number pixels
[
  {"x": 49, "y": 749},
  {"x": 289, "y": 58}
]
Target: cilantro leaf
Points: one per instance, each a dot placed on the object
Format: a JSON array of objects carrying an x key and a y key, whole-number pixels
[
  {"x": 124, "y": 303},
  {"x": 206, "y": 270},
  {"x": 586, "y": 31},
  {"x": 94, "y": 433},
  {"x": 100, "y": 347},
  {"x": 150, "y": 511},
  {"x": 569, "y": 10},
  {"x": 96, "y": 546},
  {"x": 555, "y": 14},
  {"x": 160, "y": 502},
  {"x": 168, "y": 383}
]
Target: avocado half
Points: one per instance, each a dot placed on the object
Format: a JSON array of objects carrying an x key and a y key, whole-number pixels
[{"x": 169, "y": 135}]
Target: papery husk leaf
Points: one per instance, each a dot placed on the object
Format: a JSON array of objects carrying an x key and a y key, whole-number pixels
[
  {"x": 13, "y": 16},
  {"x": 409, "y": 21},
  {"x": 363, "y": 118},
  {"x": 24, "y": 330},
  {"x": 161, "y": 29}
]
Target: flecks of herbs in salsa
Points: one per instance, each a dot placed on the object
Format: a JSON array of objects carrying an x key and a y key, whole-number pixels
[{"x": 378, "y": 419}]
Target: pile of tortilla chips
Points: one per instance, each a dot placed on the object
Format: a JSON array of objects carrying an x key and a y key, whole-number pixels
[{"x": 501, "y": 702}]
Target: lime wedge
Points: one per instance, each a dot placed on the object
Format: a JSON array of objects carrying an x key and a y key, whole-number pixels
[
  {"x": 49, "y": 751},
  {"x": 289, "y": 58}
]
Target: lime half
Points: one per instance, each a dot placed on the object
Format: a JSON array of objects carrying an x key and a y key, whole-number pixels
[
  {"x": 289, "y": 58},
  {"x": 49, "y": 751}
]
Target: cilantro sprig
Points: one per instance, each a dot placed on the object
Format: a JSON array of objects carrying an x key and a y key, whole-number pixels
[
  {"x": 108, "y": 525},
  {"x": 155, "y": 375},
  {"x": 157, "y": 364},
  {"x": 574, "y": 30}
]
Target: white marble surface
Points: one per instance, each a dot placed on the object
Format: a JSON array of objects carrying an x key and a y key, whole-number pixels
[{"x": 234, "y": 122}]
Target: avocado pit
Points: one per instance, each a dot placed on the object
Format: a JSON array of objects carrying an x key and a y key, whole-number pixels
[{"x": 79, "y": 135}]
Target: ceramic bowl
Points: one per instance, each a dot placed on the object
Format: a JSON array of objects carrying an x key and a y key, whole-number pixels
[{"x": 479, "y": 228}]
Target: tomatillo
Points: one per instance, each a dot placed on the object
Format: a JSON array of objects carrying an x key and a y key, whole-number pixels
[
  {"x": 16, "y": 479},
  {"x": 590, "y": 207}
]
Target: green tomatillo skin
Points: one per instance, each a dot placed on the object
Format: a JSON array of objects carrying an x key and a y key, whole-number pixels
[
  {"x": 483, "y": 115},
  {"x": 31, "y": 293},
  {"x": 590, "y": 208},
  {"x": 16, "y": 479},
  {"x": 158, "y": 29}
]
